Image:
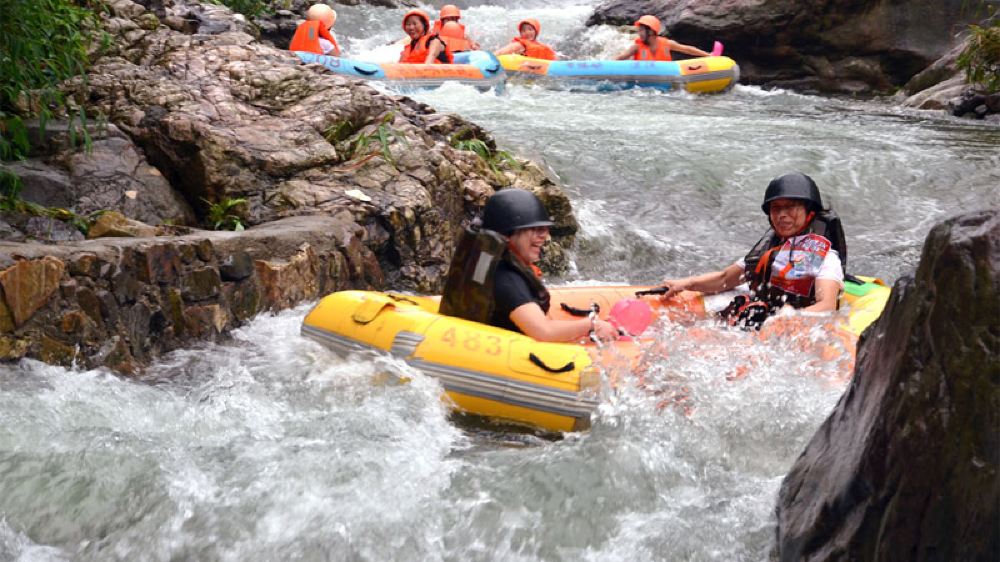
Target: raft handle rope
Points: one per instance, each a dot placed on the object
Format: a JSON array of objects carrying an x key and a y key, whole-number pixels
[
  {"x": 365, "y": 72},
  {"x": 541, "y": 364},
  {"x": 653, "y": 291},
  {"x": 493, "y": 70}
]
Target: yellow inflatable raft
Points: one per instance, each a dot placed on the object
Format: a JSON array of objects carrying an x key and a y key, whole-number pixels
[
  {"x": 501, "y": 374},
  {"x": 699, "y": 75}
]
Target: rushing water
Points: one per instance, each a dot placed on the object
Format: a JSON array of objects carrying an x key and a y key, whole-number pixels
[{"x": 270, "y": 447}]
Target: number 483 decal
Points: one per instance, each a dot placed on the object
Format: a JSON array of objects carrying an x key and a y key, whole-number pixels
[{"x": 472, "y": 340}]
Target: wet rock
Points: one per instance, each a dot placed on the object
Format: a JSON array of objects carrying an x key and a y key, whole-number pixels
[
  {"x": 28, "y": 285},
  {"x": 13, "y": 348},
  {"x": 974, "y": 104},
  {"x": 56, "y": 352},
  {"x": 90, "y": 304},
  {"x": 9, "y": 232},
  {"x": 113, "y": 223},
  {"x": 6, "y": 318},
  {"x": 243, "y": 300},
  {"x": 284, "y": 283},
  {"x": 236, "y": 267},
  {"x": 200, "y": 284},
  {"x": 159, "y": 263},
  {"x": 939, "y": 96},
  {"x": 154, "y": 299},
  {"x": 908, "y": 461},
  {"x": 205, "y": 321},
  {"x": 48, "y": 229},
  {"x": 115, "y": 355},
  {"x": 112, "y": 173}
]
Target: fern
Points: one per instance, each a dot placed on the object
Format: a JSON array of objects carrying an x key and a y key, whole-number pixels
[{"x": 220, "y": 214}]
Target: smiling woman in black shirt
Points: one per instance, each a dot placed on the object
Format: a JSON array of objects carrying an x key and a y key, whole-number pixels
[{"x": 497, "y": 264}]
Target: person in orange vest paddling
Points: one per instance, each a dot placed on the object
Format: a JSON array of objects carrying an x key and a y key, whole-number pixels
[
  {"x": 314, "y": 35},
  {"x": 527, "y": 44},
  {"x": 424, "y": 47},
  {"x": 650, "y": 46},
  {"x": 449, "y": 17}
]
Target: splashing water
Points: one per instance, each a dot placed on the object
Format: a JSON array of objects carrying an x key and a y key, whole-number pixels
[{"x": 270, "y": 447}]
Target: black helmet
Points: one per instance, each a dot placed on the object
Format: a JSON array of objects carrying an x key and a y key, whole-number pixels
[
  {"x": 793, "y": 186},
  {"x": 511, "y": 209}
]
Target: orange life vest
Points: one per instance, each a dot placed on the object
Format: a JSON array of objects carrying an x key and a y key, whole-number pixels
[
  {"x": 457, "y": 44},
  {"x": 662, "y": 51},
  {"x": 536, "y": 50},
  {"x": 439, "y": 23},
  {"x": 307, "y": 37},
  {"x": 416, "y": 51}
]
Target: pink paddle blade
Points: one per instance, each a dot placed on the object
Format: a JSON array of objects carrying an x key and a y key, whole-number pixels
[
  {"x": 716, "y": 49},
  {"x": 631, "y": 315}
]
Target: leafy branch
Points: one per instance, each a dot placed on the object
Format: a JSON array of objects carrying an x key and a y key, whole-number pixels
[
  {"x": 42, "y": 44},
  {"x": 980, "y": 60}
]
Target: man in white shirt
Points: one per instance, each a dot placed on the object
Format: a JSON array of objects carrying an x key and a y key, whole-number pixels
[{"x": 798, "y": 262}]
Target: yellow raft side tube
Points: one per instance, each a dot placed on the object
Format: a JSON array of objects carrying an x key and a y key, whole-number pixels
[
  {"x": 501, "y": 374},
  {"x": 484, "y": 370}
]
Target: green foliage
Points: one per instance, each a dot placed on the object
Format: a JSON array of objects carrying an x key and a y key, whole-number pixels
[
  {"x": 378, "y": 141},
  {"x": 220, "y": 214},
  {"x": 10, "y": 188},
  {"x": 249, "y": 8},
  {"x": 980, "y": 60},
  {"x": 42, "y": 43},
  {"x": 494, "y": 159},
  {"x": 339, "y": 132}
]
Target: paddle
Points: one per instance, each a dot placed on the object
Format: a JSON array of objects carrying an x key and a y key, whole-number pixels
[
  {"x": 653, "y": 291},
  {"x": 717, "y": 49},
  {"x": 630, "y": 316}
]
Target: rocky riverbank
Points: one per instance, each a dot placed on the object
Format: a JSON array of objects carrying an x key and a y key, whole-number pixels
[{"x": 338, "y": 185}]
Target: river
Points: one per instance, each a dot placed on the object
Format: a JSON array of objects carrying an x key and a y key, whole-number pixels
[{"x": 269, "y": 447}]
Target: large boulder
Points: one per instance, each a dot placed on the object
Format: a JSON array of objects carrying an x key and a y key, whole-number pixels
[
  {"x": 839, "y": 46},
  {"x": 906, "y": 467},
  {"x": 110, "y": 173}
]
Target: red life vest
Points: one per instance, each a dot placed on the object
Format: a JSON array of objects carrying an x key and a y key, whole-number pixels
[
  {"x": 536, "y": 50},
  {"x": 661, "y": 53},
  {"x": 416, "y": 51},
  {"x": 784, "y": 271},
  {"x": 307, "y": 37}
]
